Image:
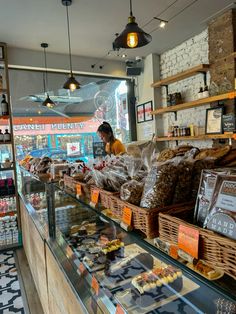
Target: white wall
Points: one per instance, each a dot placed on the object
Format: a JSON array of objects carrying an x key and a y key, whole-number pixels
[
  {"x": 25, "y": 57},
  {"x": 188, "y": 54}
]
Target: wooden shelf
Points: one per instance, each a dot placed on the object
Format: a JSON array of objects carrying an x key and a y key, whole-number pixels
[
  {"x": 7, "y": 195},
  {"x": 9, "y": 246},
  {"x": 180, "y": 76},
  {"x": 6, "y": 169},
  {"x": 3, "y": 90},
  {"x": 196, "y": 138},
  {"x": 195, "y": 103},
  {"x": 4, "y": 117},
  {"x": 6, "y": 143}
]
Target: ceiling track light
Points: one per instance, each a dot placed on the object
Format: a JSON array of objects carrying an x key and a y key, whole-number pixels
[
  {"x": 162, "y": 22},
  {"x": 47, "y": 102},
  {"x": 71, "y": 84},
  {"x": 132, "y": 36}
]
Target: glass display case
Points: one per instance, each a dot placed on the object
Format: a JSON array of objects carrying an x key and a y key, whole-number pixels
[{"x": 114, "y": 271}]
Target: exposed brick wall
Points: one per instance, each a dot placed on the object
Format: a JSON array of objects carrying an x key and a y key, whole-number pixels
[{"x": 189, "y": 54}]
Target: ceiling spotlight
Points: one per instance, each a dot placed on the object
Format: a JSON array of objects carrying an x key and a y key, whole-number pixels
[
  {"x": 123, "y": 55},
  {"x": 162, "y": 22},
  {"x": 47, "y": 102},
  {"x": 71, "y": 83},
  {"x": 132, "y": 36},
  {"x": 39, "y": 111}
]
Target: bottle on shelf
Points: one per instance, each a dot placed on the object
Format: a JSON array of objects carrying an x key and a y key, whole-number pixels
[
  {"x": 7, "y": 136},
  {"x": 4, "y": 106},
  {"x": 1, "y": 136}
]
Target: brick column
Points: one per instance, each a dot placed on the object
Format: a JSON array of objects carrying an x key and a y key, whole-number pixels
[{"x": 222, "y": 42}]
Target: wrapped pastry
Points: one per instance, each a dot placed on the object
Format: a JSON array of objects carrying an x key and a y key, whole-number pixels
[
  {"x": 159, "y": 185},
  {"x": 222, "y": 211},
  {"x": 131, "y": 192}
]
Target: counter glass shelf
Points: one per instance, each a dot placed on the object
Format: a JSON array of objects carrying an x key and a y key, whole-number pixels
[{"x": 101, "y": 272}]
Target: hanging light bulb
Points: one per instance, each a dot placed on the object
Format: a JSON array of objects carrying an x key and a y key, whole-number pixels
[
  {"x": 47, "y": 102},
  {"x": 132, "y": 36},
  {"x": 71, "y": 83},
  {"x": 162, "y": 22}
]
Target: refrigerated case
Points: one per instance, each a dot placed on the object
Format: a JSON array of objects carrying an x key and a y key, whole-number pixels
[{"x": 90, "y": 262}]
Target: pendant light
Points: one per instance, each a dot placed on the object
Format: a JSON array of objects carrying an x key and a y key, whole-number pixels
[
  {"x": 71, "y": 83},
  {"x": 47, "y": 102},
  {"x": 132, "y": 36}
]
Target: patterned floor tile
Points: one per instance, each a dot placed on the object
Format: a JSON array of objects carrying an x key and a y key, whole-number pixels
[{"x": 10, "y": 294}]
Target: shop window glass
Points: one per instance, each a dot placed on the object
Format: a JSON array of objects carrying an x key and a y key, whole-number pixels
[{"x": 71, "y": 127}]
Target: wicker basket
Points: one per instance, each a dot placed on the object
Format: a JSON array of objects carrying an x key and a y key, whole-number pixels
[
  {"x": 70, "y": 184},
  {"x": 217, "y": 250},
  {"x": 107, "y": 199},
  {"x": 143, "y": 219}
]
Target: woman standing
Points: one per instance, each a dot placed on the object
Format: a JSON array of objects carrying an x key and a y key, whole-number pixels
[{"x": 113, "y": 145}]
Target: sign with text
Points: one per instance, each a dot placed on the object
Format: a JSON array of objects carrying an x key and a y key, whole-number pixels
[
  {"x": 94, "y": 197},
  {"x": 95, "y": 285},
  {"x": 127, "y": 216},
  {"x": 78, "y": 190},
  {"x": 229, "y": 123},
  {"x": 188, "y": 240},
  {"x": 98, "y": 149}
]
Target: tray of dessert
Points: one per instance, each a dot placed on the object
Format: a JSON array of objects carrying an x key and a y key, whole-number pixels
[{"x": 207, "y": 271}]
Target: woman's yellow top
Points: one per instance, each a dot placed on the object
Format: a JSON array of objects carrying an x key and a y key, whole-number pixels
[{"x": 115, "y": 148}]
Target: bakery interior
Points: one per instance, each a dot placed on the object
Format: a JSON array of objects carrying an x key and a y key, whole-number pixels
[{"x": 89, "y": 228}]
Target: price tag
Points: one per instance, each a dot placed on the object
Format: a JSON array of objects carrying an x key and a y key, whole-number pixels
[
  {"x": 174, "y": 251},
  {"x": 119, "y": 309},
  {"x": 127, "y": 216},
  {"x": 95, "y": 197},
  {"x": 95, "y": 285},
  {"x": 78, "y": 190},
  {"x": 82, "y": 268},
  {"x": 188, "y": 240}
]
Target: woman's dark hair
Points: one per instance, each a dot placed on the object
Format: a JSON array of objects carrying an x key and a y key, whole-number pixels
[{"x": 106, "y": 128}]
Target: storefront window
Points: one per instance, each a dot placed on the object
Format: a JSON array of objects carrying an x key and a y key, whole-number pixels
[{"x": 68, "y": 130}]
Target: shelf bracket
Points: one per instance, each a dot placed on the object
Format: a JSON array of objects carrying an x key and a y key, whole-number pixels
[
  {"x": 204, "y": 77},
  {"x": 177, "y": 143},
  {"x": 167, "y": 91}
]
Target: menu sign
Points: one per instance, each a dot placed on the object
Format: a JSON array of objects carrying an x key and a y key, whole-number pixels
[
  {"x": 229, "y": 123},
  {"x": 98, "y": 149}
]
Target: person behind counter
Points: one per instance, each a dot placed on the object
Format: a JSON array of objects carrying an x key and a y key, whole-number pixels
[{"x": 113, "y": 145}]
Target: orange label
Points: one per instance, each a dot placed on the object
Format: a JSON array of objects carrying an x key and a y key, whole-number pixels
[
  {"x": 127, "y": 216},
  {"x": 188, "y": 240},
  {"x": 174, "y": 251},
  {"x": 95, "y": 196},
  {"x": 119, "y": 309},
  {"x": 232, "y": 95},
  {"x": 81, "y": 268},
  {"x": 95, "y": 285},
  {"x": 78, "y": 189}
]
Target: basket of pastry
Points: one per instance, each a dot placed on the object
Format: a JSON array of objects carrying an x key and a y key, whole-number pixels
[
  {"x": 154, "y": 280},
  {"x": 76, "y": 185},
  {"x": 213, "y": 217},
  {"x": 106, "y": 198}
]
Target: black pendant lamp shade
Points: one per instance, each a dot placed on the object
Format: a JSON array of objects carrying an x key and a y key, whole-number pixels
[
  {"x": 47, "y": 102},
  {"x": 71, "y": 82},
  {"x": 132, "y": 36}
]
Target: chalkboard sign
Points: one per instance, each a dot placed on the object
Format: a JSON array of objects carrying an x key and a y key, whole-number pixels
[
  {"x": 98, "y": 149},
  {"x": 229, "y": 123}
]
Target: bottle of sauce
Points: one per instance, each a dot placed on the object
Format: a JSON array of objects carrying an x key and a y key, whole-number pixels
[
  {"x": 1, "y": 136},
  {"x": 7, "y": 136},
  {"x": 4, "y": 106}
]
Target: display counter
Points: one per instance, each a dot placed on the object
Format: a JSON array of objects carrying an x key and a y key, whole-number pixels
[{"x": 86, "y": 263}]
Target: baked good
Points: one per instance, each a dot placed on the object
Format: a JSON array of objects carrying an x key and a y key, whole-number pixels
[
  {"x": 158, "y": 277},
  {"x": 215, "y": 153},
  {"x": 112, "y": 246},
  {"x": 181, "y": 150},
  {"x": 229, "y": 158},
  {"x": 166, "y": 154}
]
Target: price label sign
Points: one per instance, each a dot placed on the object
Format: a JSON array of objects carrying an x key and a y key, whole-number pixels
[
  {"x": 127, "y": 216},
  {"x": 119, "y": 309},
  {"x": 82, "y": 268},
  {"x": 188, "y": 240},
  {"x": 94, "y": 197},
  {"x": 78, "y": 190},
  {"x": 95, "y": 285},
  {"x": 232, "y": 95},
  {"x": 174, "y": 251}
]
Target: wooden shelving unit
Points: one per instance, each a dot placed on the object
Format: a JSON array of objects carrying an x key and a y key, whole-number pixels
[
  {"x": 195, "y": 103},
  {"x": 6, "y": 143},
  {"x": 196, "y": 138},
  {"x": 201, "y": 68}
]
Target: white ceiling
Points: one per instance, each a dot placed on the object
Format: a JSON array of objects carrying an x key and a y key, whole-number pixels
[{"x": 27, "y": 23}]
